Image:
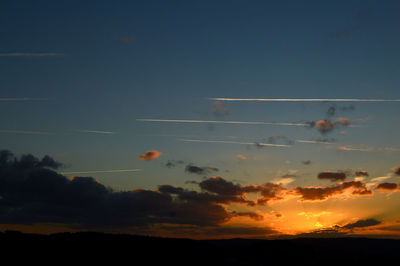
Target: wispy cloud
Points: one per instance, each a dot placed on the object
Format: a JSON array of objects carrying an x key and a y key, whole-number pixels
[
  {"x": 95, "y": 131},
  {"x": 222, "y": 122},
  {"x": 22, "y": 99},
  {"x": 302, "y": 100},
  {"x": 101, "y": 171},
  {"x": 29, "y": 54},
  {"x": 24, "y": 132},
  {"x": 235, "y": 142}
]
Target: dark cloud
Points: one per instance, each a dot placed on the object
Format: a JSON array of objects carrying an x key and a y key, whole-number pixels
[
  {"x": 192, "y": 169},
  {"x": 173, "y": 163},
  {"x": 252, "y": 215},
  {"x": 32, "y": 193},
  {"x": 388, "y": 187},
  {"x": 307, "y": 162},
  {"x": 322, "y": 193},
  {"x": 332, "y": 176},
  {"x": 331, "y": 111},
  {"x": 150, "y": 155},
  {"x": 396, "y": 170},
  {"x": 350, "y": 107},
  {"x": 361, "y": 173},
  {"x": 362, "y": 223}
]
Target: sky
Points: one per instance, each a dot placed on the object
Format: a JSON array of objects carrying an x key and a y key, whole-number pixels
[{"x": 200, "y": 119}]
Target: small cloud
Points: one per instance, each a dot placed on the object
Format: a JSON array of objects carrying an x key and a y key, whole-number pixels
[
  {"x": 150, "y": 155},
  {"x": 396, "y": 170},
  {"x": 307, "y": 162},
  {"x": 192, "y": 169},
  {"x": 241, "y": 157},
  {"x": 129, "y": 40},
  {"x": 361, "y": 173},
  {"x": 324, "y": 126},
  {"x": 343, "y": 121},
  {"x": 219, "y": 109},
  {"x": 173, "y": 163},
  {"x": 332, "y": 176}
]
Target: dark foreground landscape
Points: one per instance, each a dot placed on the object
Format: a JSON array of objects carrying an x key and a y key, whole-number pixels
[{"x": 143, "y": 250}]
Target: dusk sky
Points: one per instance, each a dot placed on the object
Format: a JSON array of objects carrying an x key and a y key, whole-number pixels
[{"x": 202, "y": 119}]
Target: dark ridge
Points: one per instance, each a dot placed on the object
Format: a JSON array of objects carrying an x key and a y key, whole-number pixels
[{"x": 115, "y": 248}]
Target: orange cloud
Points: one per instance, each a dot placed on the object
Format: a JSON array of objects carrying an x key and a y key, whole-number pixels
[
  {"x": 324, "y": 126},
  {"x": 343, "y": 121},
  {"x": 388, "y": 187},
  {"x": 150, "y": 155},
  {"x": 241, "y": 157},
  {"x": 323, "y": 193}
]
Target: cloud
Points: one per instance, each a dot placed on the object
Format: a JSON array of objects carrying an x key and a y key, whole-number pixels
[
  {"x": 323, "y": 193},
  {"x": 302, "y": 100},
  {"x": 173, "y": 163},
  {"x": 241, "y": 157},
  {"x": 192, "y": 169},
  {"x": 343, "y": 121},
  {"x": 128, "y": 40},
  {"x": 388, "y": 187},
  {"x": 150, "y": 155},
  {"x": 361, "y": 173},
  {"x": 361, "y": 224},
  {"x": 332, "y": 176},
  {"x": 31, "y": 55},
  {"x": 219, "y": 109},
  {"x": 396, "y": 170},
  {"x": 307, "y": 162},
  {"x": 350, "y": 148},
  {"x": 324, "y": 126}
]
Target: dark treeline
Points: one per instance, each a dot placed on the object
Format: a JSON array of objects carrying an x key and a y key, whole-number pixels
[{"x": 119, "y": 248}]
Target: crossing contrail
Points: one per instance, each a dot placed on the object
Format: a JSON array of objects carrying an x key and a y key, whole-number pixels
[
  {"x": 101, "y": 171},
  {"x": 235, "y": 142},
  {"x": 223, "y": 122},
  {"x": 302, "y": 100}
]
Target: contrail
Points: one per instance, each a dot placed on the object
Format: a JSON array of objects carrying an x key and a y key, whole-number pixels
[
  {"x": 21, "y": 99},
  {"x": 235, "y": 142},
  {"x": 303, "y": 100},
  {"x": 96, "y": 131},
  {"x": 101, "y": 171},
  {"x": 224, "y": 122},
  {"x": 314, "y": 142},
  {"x": 29, "y": 54},
  {"x": 25, "y": 132}
]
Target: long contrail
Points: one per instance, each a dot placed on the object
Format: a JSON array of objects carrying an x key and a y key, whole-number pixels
[
  {"x": 24, "y": 132},
  {"x": 22, "y": 99},
  {"x": 95, "y": 131},
  {"x": 302, "y": 100},
  {"x": 101, "y": 171},
  {"x": 223, "y": 122},
  {"x": 314, "y": 142},
  {"x": 29, "y": 54},
  {"x": 235, "y": 142}
]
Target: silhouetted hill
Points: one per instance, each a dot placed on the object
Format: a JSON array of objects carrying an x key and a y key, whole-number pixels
[{"x": 142, "y": 250}]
